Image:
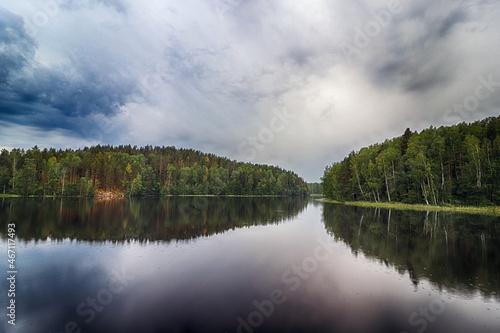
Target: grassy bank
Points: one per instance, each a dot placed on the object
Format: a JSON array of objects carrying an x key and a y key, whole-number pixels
[
  {"x": 9, "y": 195},
  {"x": 493, "y": 210}
]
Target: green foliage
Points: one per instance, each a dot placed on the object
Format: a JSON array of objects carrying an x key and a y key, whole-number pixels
[
  {"x": 133, "y": 171},
  {"x": 314, "y": 188},
  {"x": 26, "y": 178},
  {"x": 448, "y": 165},
  {"x": 136, "y": 187}
]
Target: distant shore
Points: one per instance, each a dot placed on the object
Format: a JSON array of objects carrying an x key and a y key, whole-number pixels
[{"x": 491, "y": 210}]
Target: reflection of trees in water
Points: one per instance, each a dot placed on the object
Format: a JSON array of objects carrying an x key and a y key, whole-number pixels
[
  {"x": 145, "y": 219},
  {"x": 458, "y": 251}
]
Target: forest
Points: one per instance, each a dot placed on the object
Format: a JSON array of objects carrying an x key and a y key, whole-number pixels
[
  {"x": 457, "y": 165},
  {"x": 138, "y": 171}
]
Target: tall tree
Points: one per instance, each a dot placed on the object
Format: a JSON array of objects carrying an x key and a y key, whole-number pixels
[
  {"x": 456, "y": 164},
  {"x": 474, "y": 154},
  {"x": 27, "y": 178}
]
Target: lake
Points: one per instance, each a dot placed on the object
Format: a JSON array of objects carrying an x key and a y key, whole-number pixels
[{"x": 196, "y": 264}]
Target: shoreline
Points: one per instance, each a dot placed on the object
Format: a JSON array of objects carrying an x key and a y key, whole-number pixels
[{"x": 493, "y": 210}]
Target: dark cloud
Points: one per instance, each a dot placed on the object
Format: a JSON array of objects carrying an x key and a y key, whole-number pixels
[
  {"x": 453, "y": 18},
  {"x": 16, "y": 46},
  {"x": 425, "y": 83},
  {"x": 300, "y": 56},
  {"x": 55, "y": 98},
  {"x": 424, "y": 62}
]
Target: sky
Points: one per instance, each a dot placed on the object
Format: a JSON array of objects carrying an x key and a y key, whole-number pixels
[{"x": 298, "y": 84}]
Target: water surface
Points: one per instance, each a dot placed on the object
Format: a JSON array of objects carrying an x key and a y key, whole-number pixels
[{"x": 250, "y": 265}]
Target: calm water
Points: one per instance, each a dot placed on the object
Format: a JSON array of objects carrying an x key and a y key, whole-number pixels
[{"x": 248, "y": 265}]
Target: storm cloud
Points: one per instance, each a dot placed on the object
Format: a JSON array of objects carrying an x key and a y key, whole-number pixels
[{"x": 212, "y": 75}]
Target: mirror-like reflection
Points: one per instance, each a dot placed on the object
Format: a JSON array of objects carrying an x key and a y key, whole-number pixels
[
  {"x": 248, "y": 265},
  {"x": 173, "y": 218},
  {"x": 459, "y": 251}
]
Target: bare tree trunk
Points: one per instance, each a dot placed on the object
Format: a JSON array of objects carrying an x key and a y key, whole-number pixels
[
  {"x": 387, "y": 186},
  {"x": 63, "y": 175},
  {"x": 14, "y": 172},
  {"x": 424, "y": 192},
  {"x": 442, "y": 176},
  {"x": 478, "y": 174},
  {"x": 359, "y": 182},
  {"x": 393, "y": 175},
  {"x": 432, "y": 188}
]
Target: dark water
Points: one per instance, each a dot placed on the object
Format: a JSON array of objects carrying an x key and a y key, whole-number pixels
[{"x": 248, "y": 265}]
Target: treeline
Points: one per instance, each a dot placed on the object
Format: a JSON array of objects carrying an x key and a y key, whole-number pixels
[
  {"x": 458, "y": 164},
  {"x": 314, "y": 188},
  {"x": 138, "y": 171}
]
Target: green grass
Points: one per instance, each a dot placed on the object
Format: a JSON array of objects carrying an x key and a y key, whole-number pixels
[
  {"x": 492, "y": 210},
  {"x": 9, "y": 195}
]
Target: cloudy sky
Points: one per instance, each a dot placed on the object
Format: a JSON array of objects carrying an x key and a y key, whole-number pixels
[{"x": 294, "y": 83}]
